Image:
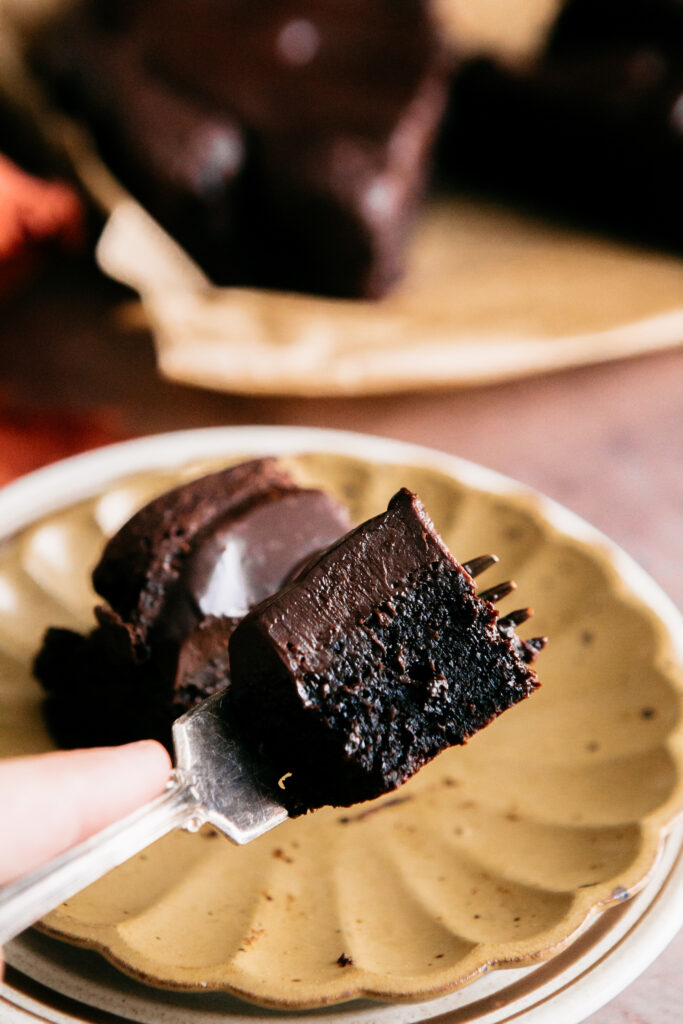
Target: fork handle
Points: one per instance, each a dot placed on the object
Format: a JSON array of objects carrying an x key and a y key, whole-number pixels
[{"x": 26, "y": 901}]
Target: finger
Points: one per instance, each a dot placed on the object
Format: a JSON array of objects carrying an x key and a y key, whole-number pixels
[{"x": 53, "y": 801}]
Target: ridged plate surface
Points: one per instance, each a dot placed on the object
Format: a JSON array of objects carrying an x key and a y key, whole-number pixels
[{"x": 495, "y": 854}]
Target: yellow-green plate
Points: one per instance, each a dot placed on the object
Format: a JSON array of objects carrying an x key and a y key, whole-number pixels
[{"x": 495, "y": 855}]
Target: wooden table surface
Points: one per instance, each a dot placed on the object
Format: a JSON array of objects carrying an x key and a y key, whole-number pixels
[{"x": 605, "y": 441}]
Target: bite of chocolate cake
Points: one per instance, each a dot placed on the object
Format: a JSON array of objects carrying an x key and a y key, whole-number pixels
[{"x": 372, "y": 661}]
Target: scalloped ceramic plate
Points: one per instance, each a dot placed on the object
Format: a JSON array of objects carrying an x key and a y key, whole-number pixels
[{"x": 497, "y": 854}]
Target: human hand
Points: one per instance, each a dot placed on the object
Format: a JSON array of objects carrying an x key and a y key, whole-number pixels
[{"x": 51, "y": 802}]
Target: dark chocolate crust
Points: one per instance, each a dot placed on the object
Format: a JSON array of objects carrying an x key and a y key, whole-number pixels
[
  {"x": 178, "y": 577},
  {"x": 372, "y": 661}
]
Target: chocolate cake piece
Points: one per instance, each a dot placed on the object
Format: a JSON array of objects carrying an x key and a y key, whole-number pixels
[
  {"x": 183, "y": 159},
  {"x": 304, "y": 130},
  {"x": 342, "y": 99},
  {"x": 606, "y": 24},
  {"x": 178, "y": 577},
  {"x": 592, "y": 128},
  {"x": 338, "y": 211},
  {"x": 373, "y": 660},
  {"x": 144, "y": 559}
]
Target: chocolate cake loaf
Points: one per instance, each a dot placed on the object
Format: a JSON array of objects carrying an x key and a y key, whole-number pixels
[
  {"x": 177, "y": 578},
  {"x": 283, "y": 144},
  {"x": 374, "y": 659},
  {"x": 591, "y": 128}
]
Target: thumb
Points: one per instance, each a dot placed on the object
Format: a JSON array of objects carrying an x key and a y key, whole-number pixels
[{"x": 54, "y": 801}]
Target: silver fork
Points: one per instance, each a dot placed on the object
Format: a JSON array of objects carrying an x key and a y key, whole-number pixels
[{"x": 216, "y": 781}]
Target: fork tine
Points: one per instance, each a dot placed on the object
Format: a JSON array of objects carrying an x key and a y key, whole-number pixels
[
  {"x": 475, "y": 566},
  {"x": 516, "y": 618},
  {"x": 498, "y": 592}
]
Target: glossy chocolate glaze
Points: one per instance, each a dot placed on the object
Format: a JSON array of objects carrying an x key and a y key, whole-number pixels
[
  {"x": 146, "y": 555},
  {"x": 370, "y": 662},
  {"x": 245, "y": 557}
]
